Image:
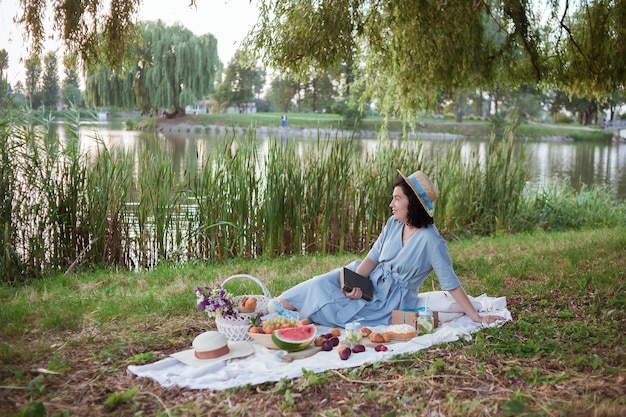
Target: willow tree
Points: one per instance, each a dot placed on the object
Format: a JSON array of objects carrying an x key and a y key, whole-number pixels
[
  {"x": 592, "y": 58},
  {"x": 99, "y": 32},
  {"x": 408, "y": 50},
  {"x": 174, "y": 68}
]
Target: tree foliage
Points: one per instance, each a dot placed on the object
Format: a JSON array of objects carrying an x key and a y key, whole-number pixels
[
  {"x": 4, "y": 86},
  {"x": 50, "y": 81},
  {"x": 281, "y": 92},
  {"x": 71, "y": 85},
  {"x": 175, "y": 68},
  {"x": 402, "y": 51},
  {"x": 411, "y": 49},
  {"x": 241, "y": 83},
  {"x": 33, "y": 73},
  {"x": 319, "y": 92},
  {"x": 591, "y": 59},
  {"x": 100, "y": 32},
  {"x": 4, "y": 62}
]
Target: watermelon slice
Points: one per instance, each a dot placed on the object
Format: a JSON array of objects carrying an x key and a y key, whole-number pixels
[{"x": 293, "y": 339}]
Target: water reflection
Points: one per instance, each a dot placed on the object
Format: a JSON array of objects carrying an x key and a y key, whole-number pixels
[{"x": 581, "y": 163}]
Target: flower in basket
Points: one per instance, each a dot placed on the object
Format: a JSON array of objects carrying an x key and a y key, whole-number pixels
[{"x": 216, "y": 301}]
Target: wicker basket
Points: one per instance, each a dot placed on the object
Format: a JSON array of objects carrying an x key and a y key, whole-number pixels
[
  {"x": 236, "y": 330},
  {"x": 261, "y": 300}
]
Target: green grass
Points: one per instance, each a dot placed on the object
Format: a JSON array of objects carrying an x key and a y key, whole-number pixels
[
  {"x": 565, "y": 291},
  {"x": 299, "y": 120},
  {"x": 592, "y": 136}
]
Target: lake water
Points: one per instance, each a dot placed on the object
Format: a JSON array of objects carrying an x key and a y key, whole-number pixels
[{"x": 581, "y": 163}]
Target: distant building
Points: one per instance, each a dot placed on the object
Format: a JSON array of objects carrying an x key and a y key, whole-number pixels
[
  {"x": 205, "y": 106},
  {"x": 102, "y": 114},
  {"x": 15, "y": 96},
  {"x": 209, "y": 105},
  {"x": 245, "y": 108}
]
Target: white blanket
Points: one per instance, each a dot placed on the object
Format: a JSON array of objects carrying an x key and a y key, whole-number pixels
[{"x": 266, "y": 364}]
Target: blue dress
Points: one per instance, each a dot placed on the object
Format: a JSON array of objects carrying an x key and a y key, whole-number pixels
[{"x": 397, "y": 277}]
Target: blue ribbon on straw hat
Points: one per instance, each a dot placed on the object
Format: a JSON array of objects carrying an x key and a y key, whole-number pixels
[{"x": 424, "y": 189}]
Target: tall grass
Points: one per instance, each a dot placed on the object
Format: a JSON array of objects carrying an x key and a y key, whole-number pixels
[
  {"x": 558, "y": 207},
  {"x": 481, "y": 195},
  {"x": 158, "y": 194},
  {"x": 11, "y": 266},
  {"x": 64, "y": 209},
  {"x": 106, "y": 221}
]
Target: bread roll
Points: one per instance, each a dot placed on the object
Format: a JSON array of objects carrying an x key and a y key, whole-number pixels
[{"x": 248, "y": 304}]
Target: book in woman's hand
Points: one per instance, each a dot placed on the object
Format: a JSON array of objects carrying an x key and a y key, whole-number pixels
[{"x": 348, "y": 279}]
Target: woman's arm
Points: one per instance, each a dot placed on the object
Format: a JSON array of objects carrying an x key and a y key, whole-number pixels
[
  {"x": 366, "y": 267},
  {"x": 460, "y": 296}
]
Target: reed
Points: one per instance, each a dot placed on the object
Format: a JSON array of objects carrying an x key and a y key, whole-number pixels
[
  {"x": 64, "y": 209},
  {"x": 106, "y": 221},
  {"x": 277, "y": 211},
  {"x": 48, "y": 185},
  {"x": 225, "y": 196},
  {"x": 12, "y": 269},
  {"x": 481, "y": 195},
  {"x": 158, "y": 195}
]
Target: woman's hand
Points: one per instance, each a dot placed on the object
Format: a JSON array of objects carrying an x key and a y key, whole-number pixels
[
  {"x": 460, "y": 297},
  {"x": 488, "y": 319},
  {"x": 355, "y": 294}
]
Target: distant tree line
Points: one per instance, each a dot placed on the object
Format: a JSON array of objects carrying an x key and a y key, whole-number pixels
[
  {"x": 176, "y": 68},
  {"x": 402, "y": 56}
]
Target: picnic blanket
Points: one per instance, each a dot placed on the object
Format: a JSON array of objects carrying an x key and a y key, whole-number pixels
[{"x": 265, "y": 365}]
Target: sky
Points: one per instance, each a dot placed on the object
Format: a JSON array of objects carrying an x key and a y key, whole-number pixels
[{"x": 228, "y": 20}]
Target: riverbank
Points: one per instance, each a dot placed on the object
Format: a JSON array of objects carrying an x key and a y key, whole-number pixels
[
  {"x": 314, "y": 125},
  {"x": 296, "y": 128}
]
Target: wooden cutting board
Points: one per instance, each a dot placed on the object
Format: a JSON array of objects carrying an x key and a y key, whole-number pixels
[{"x": 309, "y": 351}]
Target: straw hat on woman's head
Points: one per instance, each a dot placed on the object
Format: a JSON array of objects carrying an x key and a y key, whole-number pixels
[{"x": 423, "y": 188}]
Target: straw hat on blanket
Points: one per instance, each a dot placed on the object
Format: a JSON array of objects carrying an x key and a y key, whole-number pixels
[{"x": 211, "y": 347}]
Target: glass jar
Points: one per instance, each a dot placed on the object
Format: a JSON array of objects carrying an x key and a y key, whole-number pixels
[
  {"x": 353, "y": 333},
  {"x": 425, "y": 323}
]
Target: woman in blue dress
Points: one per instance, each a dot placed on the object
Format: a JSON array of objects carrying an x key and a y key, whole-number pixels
[{"x": 408, "y": 249}]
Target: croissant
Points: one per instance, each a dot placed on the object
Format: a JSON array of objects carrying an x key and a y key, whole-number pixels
[
  {"x": 365, "y": 331},
  {"x": 376, "y": 337}
]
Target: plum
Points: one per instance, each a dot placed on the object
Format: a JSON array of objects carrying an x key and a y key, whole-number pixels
[
  {"x": 380, "y": 348},
  {"x": 344, "y": 354},
  {"x": 358, "y": 348},
  {"x": 327, "y": 345}
]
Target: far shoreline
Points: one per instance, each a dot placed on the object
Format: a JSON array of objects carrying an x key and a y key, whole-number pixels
[
  {"x": 303, "y": 125},
  {"x": 171, "y": 126}
]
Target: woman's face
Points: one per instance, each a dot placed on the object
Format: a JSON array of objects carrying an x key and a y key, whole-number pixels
[{"x": 399, "y": 205}]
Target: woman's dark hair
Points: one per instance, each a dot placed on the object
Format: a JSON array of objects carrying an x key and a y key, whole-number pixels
[{"x": 417, "y": 214}]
